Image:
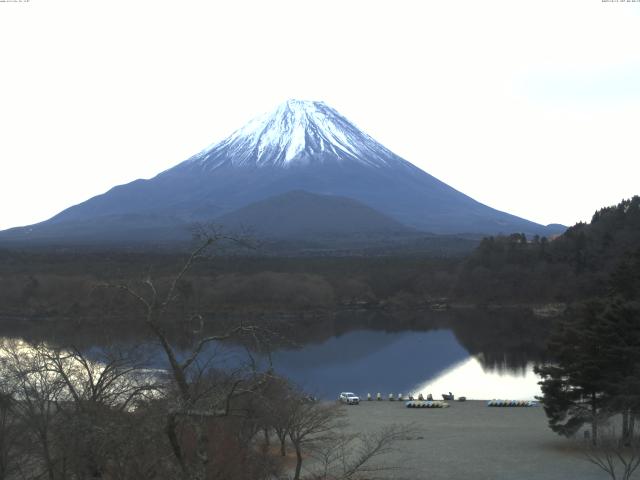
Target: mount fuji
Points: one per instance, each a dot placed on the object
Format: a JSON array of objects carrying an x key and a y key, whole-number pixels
[{"x": 302, "y": 146}]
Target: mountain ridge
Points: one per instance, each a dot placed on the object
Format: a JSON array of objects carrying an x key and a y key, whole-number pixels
[
  {"x": 300, "y": 145},
  {"x": 296, "y": 130},
  {"x": 300, "y": 214}
]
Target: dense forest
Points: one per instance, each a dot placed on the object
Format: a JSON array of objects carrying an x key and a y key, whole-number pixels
[
  {"x": 573, "y": 266},
  {"x": 64, "y": 284},
  {"x": 592, "y": 380},
  {"x": 502, "y": 270}
]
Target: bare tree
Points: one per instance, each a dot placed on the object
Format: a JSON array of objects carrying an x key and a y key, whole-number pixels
[
  {"x": 279, "y": 402},
  {"x": 38, "y": 394},
  {"x": 78, "y": 412},
  {"x": 11, "y": 435},
  {"x": 354, "y": 456},
  {"x": 113, "y": 377},
  {"x": 311, "y": 425},
  {"x": 100, "y": 392},
  {"x": 618, "y": 458},
  {"x": 139, "y": 449},
  {"x": 192, "y": 404}
]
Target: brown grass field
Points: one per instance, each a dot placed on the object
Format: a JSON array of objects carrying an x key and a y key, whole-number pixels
[{"x": 469, "y": 440}]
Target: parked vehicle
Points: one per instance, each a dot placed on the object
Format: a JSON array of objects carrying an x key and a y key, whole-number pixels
[{"x": 349, "y": 398}]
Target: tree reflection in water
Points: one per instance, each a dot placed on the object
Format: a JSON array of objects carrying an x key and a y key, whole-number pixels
[{"x": 356, "y": 350}]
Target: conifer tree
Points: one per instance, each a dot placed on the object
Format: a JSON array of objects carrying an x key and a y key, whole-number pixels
[
  {"x": 574, "y": 386},
  {"x": 596, "y": 372}
]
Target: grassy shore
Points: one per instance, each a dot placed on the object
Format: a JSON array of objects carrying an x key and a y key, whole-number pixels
[{"x": 471, "y": 441}]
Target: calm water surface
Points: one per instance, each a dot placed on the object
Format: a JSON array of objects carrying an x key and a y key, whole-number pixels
[
  {"x": 479, "y": 356},
  {"x": 366, "y": 361},
  {"x": 405, "y": 362}
]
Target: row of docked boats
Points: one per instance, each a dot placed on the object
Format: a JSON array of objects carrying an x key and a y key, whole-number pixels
[
  {"x": 511, "y": 403},
  {"x": 426, "y": 404},
  {"x": 490, "y": 403},
  {"x": 410, "y": 397}
]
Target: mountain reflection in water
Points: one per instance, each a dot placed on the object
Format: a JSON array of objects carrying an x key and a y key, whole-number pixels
[
  {"x": 403, "y": 362},
  {"x": 477, "y": 354},
  {"x": 468, "y": 379},
  {"x": 370, "y": 361}
]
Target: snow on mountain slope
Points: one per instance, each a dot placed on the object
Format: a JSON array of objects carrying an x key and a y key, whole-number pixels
[
  {"x": 299, "y": 146},
  {"x": 294, "y": 133}
]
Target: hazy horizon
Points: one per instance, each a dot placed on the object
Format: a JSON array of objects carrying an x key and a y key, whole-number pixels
[{"x": 528, "y": 108}]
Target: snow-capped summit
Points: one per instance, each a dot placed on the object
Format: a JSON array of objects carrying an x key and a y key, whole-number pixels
[
  {"x": 297, "y": 132},
  {"x": 301, "y": 146}
]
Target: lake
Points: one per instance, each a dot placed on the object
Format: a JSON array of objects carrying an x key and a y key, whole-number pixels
[
  {"x": 476, "y": 354},
  {"x": 367, "y": 361}
]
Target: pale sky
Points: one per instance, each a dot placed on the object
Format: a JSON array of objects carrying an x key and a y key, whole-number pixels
[{"x": 531, "y": 107}]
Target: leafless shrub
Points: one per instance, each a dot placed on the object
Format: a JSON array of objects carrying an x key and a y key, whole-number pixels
[
  {"x": 617, "y": 458},
  {"x": 357, "y": 456},
  {"x": 312, "y": 425}
]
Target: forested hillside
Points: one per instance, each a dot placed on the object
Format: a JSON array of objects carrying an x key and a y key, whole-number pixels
[
  {"x": 576, "y": 264},
  {"x": 510, "y": 269}
]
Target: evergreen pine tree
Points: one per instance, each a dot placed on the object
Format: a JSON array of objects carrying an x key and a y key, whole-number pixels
[{"x": 574, "y": 386}]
